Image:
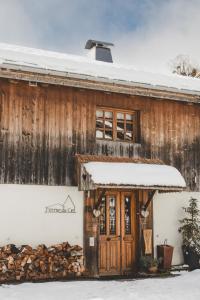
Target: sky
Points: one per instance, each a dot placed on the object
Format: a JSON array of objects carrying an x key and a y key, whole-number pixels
[{"x": 148, "y": 34}]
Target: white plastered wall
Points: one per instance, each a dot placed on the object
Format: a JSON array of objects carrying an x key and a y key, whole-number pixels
[
  {"x": 25, "y": 219},
  {"x": 167, "y": 210}
]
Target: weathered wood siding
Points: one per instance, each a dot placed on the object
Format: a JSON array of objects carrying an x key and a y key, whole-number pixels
[{"x": 41, "y": 128}]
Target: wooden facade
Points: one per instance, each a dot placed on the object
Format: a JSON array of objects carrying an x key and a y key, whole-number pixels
[{"x": 42, "y": 127}]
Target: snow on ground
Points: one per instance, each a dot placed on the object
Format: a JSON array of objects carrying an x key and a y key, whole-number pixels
[{"x": 184, "y": 287}]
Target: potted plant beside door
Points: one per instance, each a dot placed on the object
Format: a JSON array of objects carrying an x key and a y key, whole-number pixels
[
  {"x": 190, "y": 231},
  {"x": 149, "y": 264}
]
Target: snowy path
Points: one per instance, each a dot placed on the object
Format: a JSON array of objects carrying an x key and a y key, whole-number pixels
[{"x": 184, "y": 287}]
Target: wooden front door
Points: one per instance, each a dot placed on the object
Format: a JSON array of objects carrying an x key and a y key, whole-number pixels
[{"x": 117, "y": 233}]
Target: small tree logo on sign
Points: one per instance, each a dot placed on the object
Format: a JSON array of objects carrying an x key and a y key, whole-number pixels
[{"x": 67, "y": 207}]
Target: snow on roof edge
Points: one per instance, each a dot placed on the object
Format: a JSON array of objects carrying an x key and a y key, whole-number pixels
[
  {"x": 134, "y": 174},
  {"x": 100, "y": 79},
  {"x": 38, "y": 60}
]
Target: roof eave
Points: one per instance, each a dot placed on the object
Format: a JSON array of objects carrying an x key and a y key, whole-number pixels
[
  {"x": 139, "y": 187},
  {"x": 11, "y": 71}
]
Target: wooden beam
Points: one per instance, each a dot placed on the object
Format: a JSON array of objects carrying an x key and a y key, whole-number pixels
[
  {"x": 149, "y": 199},
  {"x": 128, "y": 187},
  {"x": 99, "y": 198}
]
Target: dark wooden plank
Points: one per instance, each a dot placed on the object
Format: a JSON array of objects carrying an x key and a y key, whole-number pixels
[{"x": 43, "y": 127}]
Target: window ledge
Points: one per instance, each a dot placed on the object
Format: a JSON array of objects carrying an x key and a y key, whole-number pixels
[{"x": 125, "y": 143}]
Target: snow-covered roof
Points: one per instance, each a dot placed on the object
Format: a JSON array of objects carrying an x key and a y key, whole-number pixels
[
  {"x": 134, "y": 174},
  {"x": 41, "y": 61}
]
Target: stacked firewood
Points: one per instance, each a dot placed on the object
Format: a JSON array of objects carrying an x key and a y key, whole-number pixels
[{"x": 27, "y": 264}]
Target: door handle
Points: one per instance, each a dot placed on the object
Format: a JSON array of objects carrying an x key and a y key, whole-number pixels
[{"x": 108, "y": 239}]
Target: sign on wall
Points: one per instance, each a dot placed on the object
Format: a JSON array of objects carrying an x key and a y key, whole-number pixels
[{"x": 67, "y": 207}]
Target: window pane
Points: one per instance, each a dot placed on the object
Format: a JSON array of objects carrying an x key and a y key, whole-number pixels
[
  {"x": 112, "y": 214},
  {"x": 120, "y": 126},
  {"x": 127, "y": 205},
  {"x": 120, "y": 116},
  {"x": 129, "y": 136},
  {"x": 99, "y": 123},
  {"x": 120, "y": 135},
  {"x": 99, "y": 113},
  {"x": 108, "y": 135},
  {"x": 108, "y": 114},
  {"x": 116, "y": 125},
  {"x": 99, "y": 134},
  {"x": 129, "y": 126},
  {"x": 103, "y": 216},
  {"x": 129, "y": 117},
  {"x": 108, "y": 124}
]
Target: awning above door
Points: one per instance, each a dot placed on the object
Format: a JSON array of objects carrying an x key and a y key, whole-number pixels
[{"x": 130, "y": 174}]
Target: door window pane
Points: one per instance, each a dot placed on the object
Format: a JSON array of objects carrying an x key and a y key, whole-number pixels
[
  {"x": 127, "y": 211},
  {"x": 112, "y": 215},
  {"x": 103, "y": 216}
]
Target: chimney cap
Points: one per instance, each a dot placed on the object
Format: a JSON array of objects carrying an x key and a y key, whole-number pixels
[{"x": 91, "y": 43}]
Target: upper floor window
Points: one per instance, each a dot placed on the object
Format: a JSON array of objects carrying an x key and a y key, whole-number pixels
[{"x": 117, "y": 125}]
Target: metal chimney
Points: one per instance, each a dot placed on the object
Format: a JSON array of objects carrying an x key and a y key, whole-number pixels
[{"x": 99, "y": 50}]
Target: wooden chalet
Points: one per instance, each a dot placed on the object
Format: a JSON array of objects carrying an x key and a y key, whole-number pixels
[{"x": 116, "y": 136}]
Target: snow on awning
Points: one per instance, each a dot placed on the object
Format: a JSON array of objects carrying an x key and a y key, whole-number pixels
[{"x": 132, "y": 175}]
